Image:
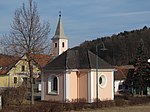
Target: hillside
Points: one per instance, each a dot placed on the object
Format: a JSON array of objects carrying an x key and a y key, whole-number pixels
[{"x": 121, "y": 47}]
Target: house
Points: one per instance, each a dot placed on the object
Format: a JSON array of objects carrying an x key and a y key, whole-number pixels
[
  {"x": 15, "y": 71},
  {"x": 6, "y": 63},
  {"x": 40, "y": 60},
  {"x": 120, "y": 77},
  {"x": 72, "y": 75}
]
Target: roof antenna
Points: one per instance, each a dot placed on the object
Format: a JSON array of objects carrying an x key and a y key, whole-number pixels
[{"x": 59, "y": 14}]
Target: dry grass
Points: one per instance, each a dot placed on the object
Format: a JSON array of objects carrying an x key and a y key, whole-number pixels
[{"x": 138, "y": 108}]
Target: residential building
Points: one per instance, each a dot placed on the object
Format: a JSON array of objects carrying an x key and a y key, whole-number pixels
[
  {"x": 6, "y": 63},
  {"x": 15, "y": 71},
  {"x": 120, "y": 77}
]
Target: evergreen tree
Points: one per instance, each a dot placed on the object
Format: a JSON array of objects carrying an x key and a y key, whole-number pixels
[{"x": 139, "y": 78}]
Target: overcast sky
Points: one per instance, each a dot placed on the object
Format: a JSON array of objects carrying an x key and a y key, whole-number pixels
[{"x": 84, "y": 19}]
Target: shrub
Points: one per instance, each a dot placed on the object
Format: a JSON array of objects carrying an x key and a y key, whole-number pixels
[
  {"x": 49, "y": 107},
  {"x": 12, "y": 109},
  {"x": 102, "y": 104},
  {"x": 13, "y": 96},
  {"x": 107, "y": 103},
  {"x": 94, "y": 105},
  {"x": 124, "y": 97},
  {"x": 75, "y": 104},
  {"x": 38, "y": 107},
  {"x": 139, "y": 100},
  {"x": 78, "y": 106},
  {"x": 68, "y": 106},
  {"x": 120, "y": 102},
  {"x": 46, "y": 106}
]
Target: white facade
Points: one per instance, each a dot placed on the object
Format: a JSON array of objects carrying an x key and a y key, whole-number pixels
[
  {"x": 117, "y": 84},
  {"x": 59, "y": 40}
]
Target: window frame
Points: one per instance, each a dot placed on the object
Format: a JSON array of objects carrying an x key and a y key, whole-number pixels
[
  {"x": 23, "y": 68},
  {"x": 63, "y": 44},
  {"x": 51, "y": 88},
  {"x": 102, "y": 80},
  {"x": 55, "y": 45},
  {"x": 15, "y": 80}
]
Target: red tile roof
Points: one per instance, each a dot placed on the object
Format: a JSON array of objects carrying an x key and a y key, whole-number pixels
[
  {"x": 122, "y": 71},
  {"x": 6, "y": 62},
  {"x": 41, "y": 59}
]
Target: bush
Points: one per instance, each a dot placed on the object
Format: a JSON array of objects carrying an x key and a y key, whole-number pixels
[
  {"x": 13, "y": 96},
  {"x": 139, "y": 100},
  {"x": 120, "y": 102},
  {"x": 46, "y": 106},
  {"x": 107, "y": 103},
  {"x": 13, "y": 109},
  {"x": 124, "y": 97},
  {"x": 76, "y": 104},
  {"x": 40, "y": 107},
  {"x": 68, "y": 106}
]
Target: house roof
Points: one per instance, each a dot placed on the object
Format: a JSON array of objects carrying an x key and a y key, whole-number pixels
[
  {"x": 77, "y": 58},
  {"x": 121, "y": 74},
  {"x": 122, "y": 71},
  {"x": 41, "y": 59},
  {"x": 6, "y": 63}
]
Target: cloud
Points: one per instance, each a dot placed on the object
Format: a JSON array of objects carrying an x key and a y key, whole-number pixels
[{"x": 129, "y": 13}]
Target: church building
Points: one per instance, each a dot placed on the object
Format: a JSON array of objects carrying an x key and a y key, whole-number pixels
[{"x": 75, "y": 73}]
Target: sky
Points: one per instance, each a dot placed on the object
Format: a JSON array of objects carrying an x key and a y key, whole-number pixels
[{"x": 83, "y": 19}]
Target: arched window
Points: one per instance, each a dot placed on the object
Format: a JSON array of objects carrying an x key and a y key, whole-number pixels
[
  {"x": 53, "y": 85},
  {"x": 54, "y": 88}
]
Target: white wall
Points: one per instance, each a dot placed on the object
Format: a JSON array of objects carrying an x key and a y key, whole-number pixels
[{"x": 117, "y": 82}]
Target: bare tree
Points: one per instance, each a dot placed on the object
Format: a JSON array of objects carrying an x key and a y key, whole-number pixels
[{"x": 28, "y": 35}]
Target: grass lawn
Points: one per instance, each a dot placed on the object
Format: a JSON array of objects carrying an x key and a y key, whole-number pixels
[{"x": 138, "y": 108}]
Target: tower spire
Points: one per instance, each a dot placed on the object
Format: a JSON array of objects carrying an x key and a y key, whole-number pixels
[
  {"x": 59, "y": 33},
  {"x": 59, "y": 40},
  {"x": 59, "y": 14}
]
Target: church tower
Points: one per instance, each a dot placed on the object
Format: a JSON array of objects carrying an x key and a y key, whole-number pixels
[{"x": 59, "y": 40}]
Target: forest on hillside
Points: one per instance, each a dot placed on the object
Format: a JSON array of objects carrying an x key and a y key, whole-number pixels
[{"x": 121, "y": 48}]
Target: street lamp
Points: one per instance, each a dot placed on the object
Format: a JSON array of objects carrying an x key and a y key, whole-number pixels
[{"x": 102, "y": 49}]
